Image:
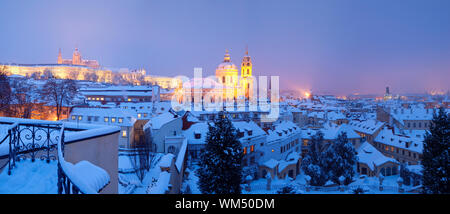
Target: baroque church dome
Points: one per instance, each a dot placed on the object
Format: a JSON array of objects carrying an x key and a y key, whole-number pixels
[{"x": 226, "y": 65}]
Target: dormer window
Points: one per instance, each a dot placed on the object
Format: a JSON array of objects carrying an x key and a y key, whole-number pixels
[
  {"x": 197, "y": 135},
  {"x": 250, "y": 132}
]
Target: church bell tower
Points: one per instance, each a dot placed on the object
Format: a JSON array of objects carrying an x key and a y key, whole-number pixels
[{"x": 246, "y": 74}]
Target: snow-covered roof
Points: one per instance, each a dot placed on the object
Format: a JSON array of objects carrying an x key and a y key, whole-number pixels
[
  {"x": 413, "y": 113},
  {"x": 335, "y": 115},
  {"x": 120, "y": 88},
  {"x": 400, "y": 141},
  {"x": 272, "y": 163},
  {"x": 366, "y": 126},
  {"x": 371, "y": 156},
  {"x": 292, "y": 158},
  {"x": 245, "y": 127},
  {"x": 122, "y": 91},
  {"x": 196, "y": 128},
  {"x": 415, "y": 133},
  {"x": 158, "y": 121},
  {"x": 318, "y": 114},
  {"x": 332, "y": 132},
  {"x": 282, "y": 130}
]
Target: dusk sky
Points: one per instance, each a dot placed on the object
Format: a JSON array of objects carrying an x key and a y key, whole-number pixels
[{"x": 335, "y": 46}]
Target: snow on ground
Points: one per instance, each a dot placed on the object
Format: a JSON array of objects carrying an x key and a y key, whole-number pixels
[
  {"x": 369, "y": 183},
  {"x": 27, "y": 177},
  {"x": 129, "y": 183},
  {"x": 191, "y": 181}
]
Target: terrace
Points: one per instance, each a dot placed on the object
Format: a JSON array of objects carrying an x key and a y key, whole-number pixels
[{"x": 32, "y": 157}]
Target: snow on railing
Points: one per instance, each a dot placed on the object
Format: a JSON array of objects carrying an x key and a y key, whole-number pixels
[{"x": 82, "y": 177}]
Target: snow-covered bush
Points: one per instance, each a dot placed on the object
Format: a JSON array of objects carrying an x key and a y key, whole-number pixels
[{"x": 288, "y": 189}]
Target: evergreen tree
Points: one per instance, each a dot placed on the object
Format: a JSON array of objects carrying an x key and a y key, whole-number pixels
[
  {"x": 340, "y": 160},
  {"x": 405, "y": 174},
  {"x": 221, "y": 171},
  {"x": 312, "y": 164},
  {"x": 435, "y": 160}
]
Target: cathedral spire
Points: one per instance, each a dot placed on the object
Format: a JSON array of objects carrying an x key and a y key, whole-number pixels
[{"x": 59, "y": 56}]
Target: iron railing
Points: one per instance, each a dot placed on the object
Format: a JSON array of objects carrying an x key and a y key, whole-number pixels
[
  {"x": 65, "y": 184},
  {"x": 39, "y": 141},
  {"x": 33, "y": 141}
]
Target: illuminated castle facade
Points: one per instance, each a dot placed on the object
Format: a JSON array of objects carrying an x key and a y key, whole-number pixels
[
  {"x": 77, "y": 60},
  {"x": 76, "y": 68}
]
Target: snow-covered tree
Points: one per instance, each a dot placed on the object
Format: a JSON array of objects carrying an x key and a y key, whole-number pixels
[
  {"x": 287, "y": 189},
  {"x": 340, "y": 159},
  {"x": 59, "y": 93},
  {"x": 436, "y": 159},
  {"x": 312, "y": 164},
  {"x": 405, "y": 174},
  {"x": 5, "y": 91},
  {"x": 221, "y": 171}
]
